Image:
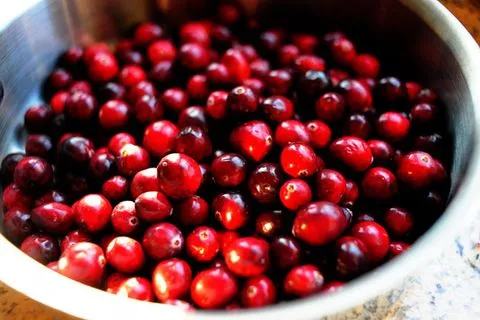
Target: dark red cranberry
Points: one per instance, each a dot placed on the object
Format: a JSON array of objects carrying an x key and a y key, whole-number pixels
[
  {"x": 426, "y": 95},
  {"x": 291, "y": 131},
  {"x": 112, "y": 91},
  {"x": 118, "y": 141},
  {"x": 331, "y": 185},
  {"x": 75, "y": 186},
  {"x": 195, "y": 32},
  {"x": 105, "y": 240},
  {"x": 8, "y": 166},
  {"x": 159, "y": 137},
  {"x": 259, "y": 68},
  {"x": 53, "y": 217},
  {"x": 124, "y": 218},
  {"x": 147, "y": 32},
  {"x": 81, "y": 86},
  {"x": 278, "y": 82},
  {"x": 413, "y": 89},
  {"x": 237, "y": 66},
  {"x": 295, "y": 193},
  {"x": 319, "y": 223},
  {"x": 175, "y": 99},
  {"x": 162, "y": 73},
  {"x": 271, "y": 40},
  {"x": 332, "y": 287},
  {"x": 139, "y": 90},
  {"x": 161, "y": 50},
  {"x": 393, "y": 126},
  {"x": 193, "y": 142},
  {"x": 264, "y": 182},
  {"x": 80, "y": 106},
  {"x": 162, "y": 241},
  {"x": 357, "y": 96},
  {"x": 352, "y": 256},
  {"x": 423, "y": 113},
  {"x": 131, "y": 58},
  {"x": 247, "y": 257},
  {"x": 213, "y": 288},
  {"x": 242, "y": 99},
  {"x": 366, "y": 65},
  {"x": 269, "y": 223},
  {"x": 33, "y": 174},
  {"x": 330, "y": 107},
  {"x": 353, "y": 152},
  {"x": 102, "y": 67},
  {"x": 193, "y": 116},
  {"x": 253, "y": 139},
  {"x": 132, "y": 159},
  {"x": 193, "y": 56},
  {"x": 343, "y": 51},
  {"x": 364, "y": 217},
  {"x": 287, "y": 54},
  {"x": 256, "y": 85},
  {"x": 203, "y": 244},
  {"x": 351, "y": 194},
  {"x": 74, "y": 153},
  {"x": 306, "y": 43},
  {"x": 192, "y": 211},
  {"x": 390, "y": 89},
  {"x": 125, "y": 254},
  {"x": 17, "y": 225},
  {"x": 197, "y": 87},
  {"x": 143, "y": 181},
  {"x": 229, "y": 170},
  {"x": 375, "y": 238},
  {"x": 41, "y": 247},
  {"x": 72, "y": 57},
  {"x": 217, "y": 104},
  {"x": 38, "y": 119},
  {"x": 357, "y": 125},
  {"x": 72, "y": 238},
  {"x": 248, "y": 51},
  {"x": 101, "y": 165},
  {"x": 231, "y": 210},
  {"x": 179, "y": 176},
  {"x": 399, "y": 221},
  {"x": 115, "y": 188},
  {"x": 218, "y": 74},
  {"x": 153, "y": 206},
  {"x": 285, "y": 252},
  {"x": 228, "y": 14},
  {"x": 92, "y": 212},
  {"x": 95, "y": 48},
  {"x": 397, "y": 248},
  {"x": 171, "y": 279},
  {"x": 39, "y": 145},
  {"x": 379, "y": 183},
  {"x": 60, "y": 79},
  {"x": 258, "y": 292},
  {"x": 303, "y": 281},
  {"x": 308, "y": 62},
  {"x": 312, "y": 84},
  {"x": 299, "y": 160},
  {"x": 83, "y": 262},
  {"x": 382, "y": 152},
  {"x": 278, "y": 108},
  {"x": 416, "y": 169}
]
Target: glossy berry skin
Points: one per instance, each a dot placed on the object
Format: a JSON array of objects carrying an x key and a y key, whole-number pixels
[
  {"x": 143, "y": 181},
  {"x": 229, "y": 170},
  {"x": 416, "y": 169},
  {"x": 161, "y": 50},
  {"x": 291, "y": 131},
  {"x": 198, "y": 87},
  {"x": 390, "y": 89},
  {"x": 125, "y": 254},
  {"x": 74, "y": 237},
  {"x": 343, "y": 51},
  {"x": 139, "y": 90},
  {"x": 375, "y": 238},
  {"x": 124, "y": 218},
  {"x": 53, "y": 217},
  {"x": 39, "y": 145},
  {"x": 74, "y": 153},
  {"x": 247, "y": 257},
  {"x": 366, "y": 65},
  {"x": 299, "y": 160},
  {"x": 171, "y": 279},
  {"x": 231, "y": 210},
  {"x": 397, "y": 248},
  {"x": 393, "y": 126},
  {"x": 130, "y": 75},
  {"x": 195, "y": 32},
  {"x": 8, "y": 167},
  {"x": 57, "y": 102},
  {"x": 115, "y": 188},
  {"x": 132, "y": 159},
  {"x": 118, "y": 141},
  {"x": 423, "y": 113},
  {"x": 352, "y": 256},
  {"x": 153, "y": 206},
  {"x": 330, "y": 107},
  {"x": 217, "y": 104},
  {"x": 382, "y": 151},
  {"x": 357, "y": 125},
  {"x": 179, "y": 176},
  {"x": 101, "y": 165},
  {"x": 203, "y": 244},
  {"x": 294, "y": 194},
  {"x": 213, "y": 288},
  {"x": 308, "y": 62},
  {"x": 147, "y": 32},
  {"x": 38, "y": 119},
  {"x": 353, "y": 152},
  {"x": 175, "y": 99},
  {"x": 398, "y": 221},
  {"x": 278, "y": 108},
  {"x": 351, "y": 194},
  {"x": 357, "y": 96},
  {"x": 218, "y": 74},
  {"x": 13, "y": 197},
  {"x": 256, "y": 85},
  {"x": 379, "y": 183},
  {"x": 159, "y": 137},
  {"x": 258, "y": 292},
  {"x": 81, "y": 107},
  {"x": 17, "y": 225},
  {"x": 319, "y": 132},
  {"x": 148, "y": 109},
  {"x": 83, "y": 262},
  {"x": 319, "y": 223},
  {"x": 331, "y": 185},
  {"x": 193, "y": 142},
  {"x": 162, "y": 241},
  {"x": 60, "y": 79},
  {"x": 33, "y": 174},
  {"x": 192, "y": 211},
  {"x": 114, "y": 114},
  {"x": 40, "y": 247},
  {"x": 264, "y": 182},
  {"x": 303, "y": 281},
  {"x": 242, "y": 99},
  {"x": 278, "y": 82},
  {"x": 194, "y": 116},
  {"x": 102, "y": 67},
  {"x": 285, "y": 252},
  {"x": 193, "y": 56},
  {"x": 253, "y": 140},
  {"x": 306, "y": 43},
  {"x": 260, "y": 68},
  {"x": 92, "y": 212},
  {"x": 237, "y": 66}
]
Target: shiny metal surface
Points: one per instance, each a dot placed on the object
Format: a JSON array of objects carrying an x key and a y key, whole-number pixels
[{"x": 420, "y": 34}]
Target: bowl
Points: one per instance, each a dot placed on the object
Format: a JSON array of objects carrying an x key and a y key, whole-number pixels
[{"x": 417, "y": 38}]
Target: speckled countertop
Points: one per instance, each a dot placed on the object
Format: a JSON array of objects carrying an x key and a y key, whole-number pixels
[{"x": 448, "y": 288}]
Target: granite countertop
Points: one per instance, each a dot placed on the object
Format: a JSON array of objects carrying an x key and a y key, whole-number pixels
[{"x": 447, "y": 288}]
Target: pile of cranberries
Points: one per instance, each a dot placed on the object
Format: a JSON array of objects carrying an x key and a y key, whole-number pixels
[{"x": 224, "y": 166}]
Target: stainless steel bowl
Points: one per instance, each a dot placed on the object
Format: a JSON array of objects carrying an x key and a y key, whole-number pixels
[{"x": 419, "y": 35}]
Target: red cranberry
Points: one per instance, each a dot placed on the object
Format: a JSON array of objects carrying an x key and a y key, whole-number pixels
[
  {"x": 397, "y": 248},
  {"x": 319, "y": 132},
  {"x": 424, "y": 113},
  {"x": 218, "y": 74},
  {"x": 226, "y": 238},
  {"x": 271, "y": 40},
  {"x": 416, "y": 169},
  {"x": 125, "y": 254},
  {"x": 72, "y": 57},
  {"x": 291, "y": 131},
  {"x": 242, "y": 99},
  {"x": 278, "y": 108},
  {"x": 253, "y": 139},
  {"x": 40, "y": 247},
  {"x": 159, "y": 137},
  {"x": 131, "y": 58},
  {"x": 92, "y": 212},
  {"x": 38, "y": 119},
  {"x": 426, "y": 95},
  {"x": 13, "y": 197},
  {"x": 81, "y": 86},
  {"x": 230, "y": 210},
  {"x": 330, "y": 107},
  {"x": 366, "y": 65},
  {"x": 260, "y": 68},
  {"x": 73, "y": 237},
  {"x": 80, "y": 106},
  {"x": 285, "y": 252},
  {"x": 343, "y": 51},
  {"x": 353, "y": 152},
  {"x": 131, "y": 75},
  {"x": 278, "y": 82},
  {"x": 141, "y": 89},
  {"x": 351, "y": 194},
  {"x": 217, "y": 104},
  {"x": 147, "y": 32},
  {"x": 332, "y": 287},
  {"x": 413, "y": 89},
  {"x": 171, "y": 279},
  {"x": 197, "y": 87},
  {"x": 132, "y": 159},
  {"x": 331, "y": 185},
  {"x": 258, "y": 292},
  {"x": 256, "y": 85},
  {"x": 119, "y": 140},
  {"x": 60, "y": 79},
  {"x": 237, "y": 66},
  {"x": 203, "y": 244},
  {"x": 193, "y": 142},
  {"x": 143, "y": 181},
  {"x": 179, "y": 176},
  {"x": 358, "y": 97},
  {"x": 247, "y": 257},
  {"x": 124, "y": 218},
  {"x": 229, "y": 170},
  {"x": 175, "y": 99},
  {"x": 264, "y": 182},
  {"x": 57, "y": 102},
  {"x": 102, "y": 67},
  {"x": 352, "y": 256},
  {"x": 8, "y": 166},
  {"x": 135, "y": 288},
  {"x": 299, "y": 160},
  {"x": 161, "y": 50},
  {"x": 162, "y": 241},
  {"x": 382, "y": 152},
  {"x": 195, "y": 32},
  {"x": 193, "y": 116},
  {"x": 318, "y": 223},
  {"x": 357, "y": 125},
  {"x": 295, "y": 193},
  {"x": 32, "y": 174},
  {"x": 101, "y": 165},
  {"x": 303, "y": 281},
  {"x": 162, "y": 74},
  {"x": 95, "y": 48},
  {"x": 114, "y": 114},
  {"x": 306, "y": 43},
  {"x": 115, "y": 188},
  {"x": 53, "y": 217},
  {"x": 379, "y": 183},
  {"x": 390, "y": 89},
  {"x": 153, "y": 206},
  {"x": 393, "y": 126},
  {"x": 192, "y": 211},
  {"x": 83, "y": 262},
  {"x": 399, "y": 221},
  {"x": 17, "y": 225},
  {"x": 213, "y": 288},
  {"x": 269, "y": 223},
  {"x": 308, "y": 62},
  {"x": 287, "y": 54},
  {"x": 194, "y": 56}
]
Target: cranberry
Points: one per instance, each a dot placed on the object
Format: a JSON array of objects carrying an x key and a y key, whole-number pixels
[
  {"x": 124, "y": 218},
  {"x": 159, "y": 137},
  {"x": 393, "y": 126},
  {"x": 412, "y": 89},
  {"x": 95, "y": 48},
  {"x": 291, "y": 131},
  {"x": 308, "y": 62},
  {"x": 375, "y": 238},
  {"x": 119, "y": 140},
  {"x": 357, "y": 96},
  {"x": 139, "y": 90},
  {"x": 197, "y": 87},
  {"x": 352, "y": 256},
  {"x": 247, "y": 257},
  {"x": 13, "y": 197},
  {"x": 213, "y": 288},
  {"x": 416, "y": 169},
  {"x": 192, "y": 211},
  {"x": 17, "y": 225},
  {"x": 350, "y": 195},
  {"x": 319, "y": 133},
  {"x": 57, "y": 102},
  {"x": 242, "y": 99},
  {"x": 75, "y": 185},
  {"x": 147, "y": 32},
  {"x": 101, "y": 165},
  {"x": 285, "y": 252},
  {"x": 229, "y": 170},
  {"x": 269, "y": 223},
  {"x": 148, "y": 109},
  {"x": 74, "y": 153},
  {"x": 143, "y": 181},
  {"x": 230, "y": 210},
  {"x": 294, "y": 194},
  {"x": 331, "y": 185},
  {"x": 102, "y": 67},
  {"x": 114, "y": 114},
  {"x": 193, "y": 116},
  {"x": 53, "y": 217},
  {"x": 426, "y": 95},
  {"x": 83, "y": 262},
  {"x": 162, "y": 241},
  {"x": 258, "y": 292},
  {"x": 357, "y": 125},
  {"x": 131, "y": 58},
  {"x": 125, "y": 254},
  {"x": 130, "y": 75},
  {"x": 32, "y": 174},
  {"x": 135, "y": 288},
  {"x": 38, "y": 118},
  {"x": 218, "y": 74},
  {"x": 319, "y": 223},
  {"x": 81, "y": 86},
  {"x": 153, "y": 206},
  {"x": 60, "y": 79},
  {"x": 217, "y": 104},
  {"x": 253, "y": 139},
  {"x": 195, "y": 32},
  {"x": 278, "y": 108},
  {"x": 185, "y": 306},
  {"x": 303, "y": 281},
  {"x": 332, "y": 287},
  {"x": 193, "y": 142},
  {"x": 203, "y": 244},
  {"x": 259, "y": 68},
  {"x": 379, "y": 183},
  {"x": 80, "y": 106},
  {"x": 299, "y": 160},
  {"x": 132, "y": 159},
  {"x": 287, "y": 54},
  {"x": 353, "y": 152},
  {"x": 92, "y": 212},
  {"x": 194, "y": 56},
  {"x": 161, "y": 50},
  {"x": 278, "y": 82},
  {"x": 330, "y": 107},
  {"x": 171, "y": 279},
  {"x": 264, "y": 182},
  {"x": 8, "y": 166},
  {"x": 105, "y": 240},
  {"x": 115, "y": 188},
  {"x": 399, "y": 221},
  {"x": 179, "y": 176},
  {"x": 256, "y": 85},
  {"x": 271, "y": 40},
  {"x": 73, "y": 237},
  {"x": 397, "y": 248},
  {"x": 175, "y": 99},
  {"x": 390, "y": 89},
  {"x": 237, "y": 66},
  {"x": 72, "y": 57},
  {"x": 382, "y": 152},
  {"x": 366, "y": 65},
  {"x": 424, "y": 113},
  {"x": 312, "y": 84},
  {"x": 40, "y": 247},
  {"x": 162, "y": 74}
]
